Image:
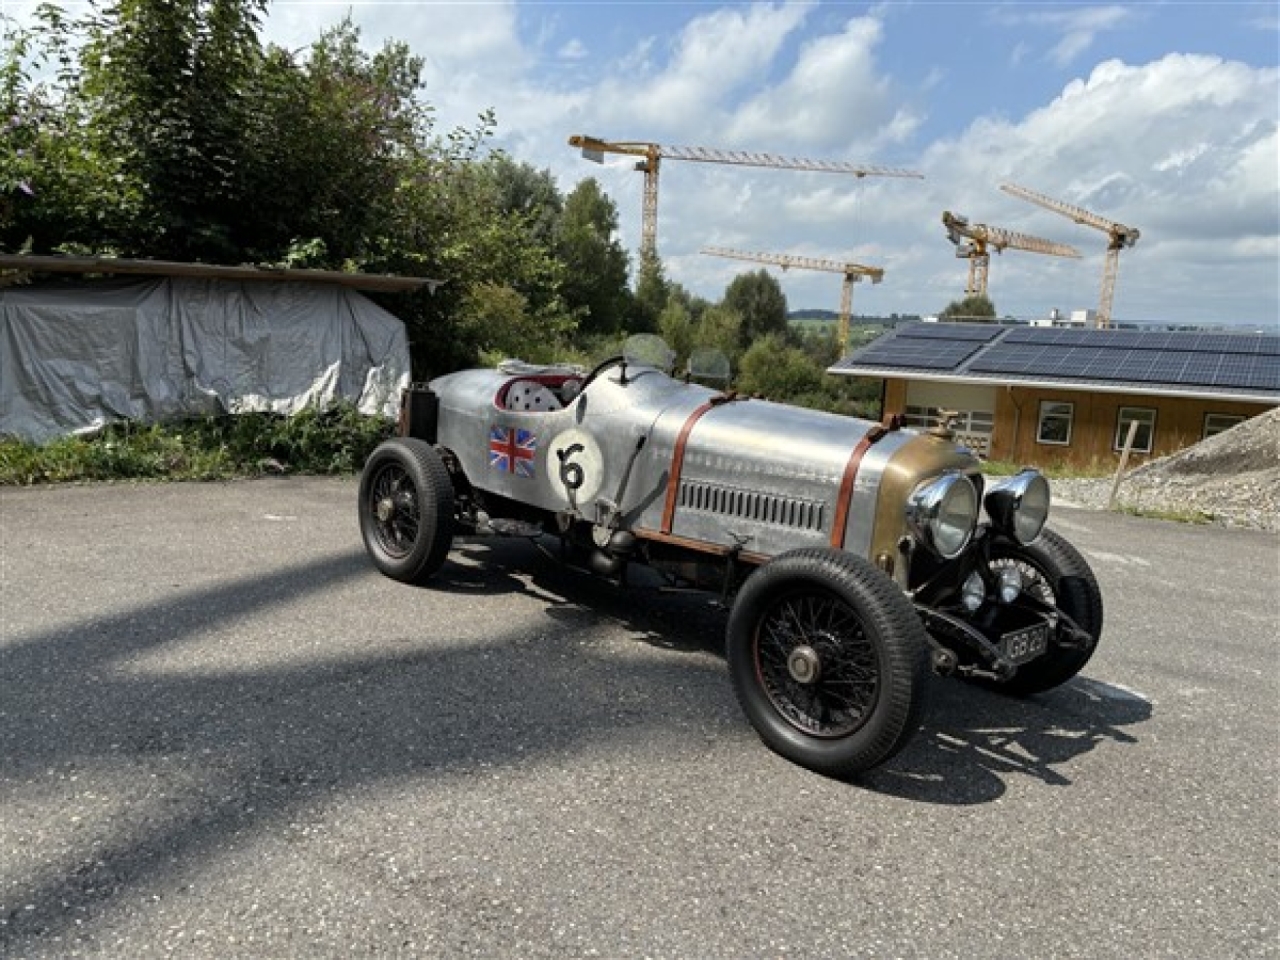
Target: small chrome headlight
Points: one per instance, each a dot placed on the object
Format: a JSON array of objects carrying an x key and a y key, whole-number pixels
[
  {"x": 973, "y": 593},
  {"x": 1019, "y": 505},
  {"x": 1009, "y": 584},
  {"x": 942, "y": 513}
]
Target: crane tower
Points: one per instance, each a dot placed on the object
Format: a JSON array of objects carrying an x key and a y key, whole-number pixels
[
  {"x": 650, "y": 155},
  {"x": 852, "y": 272},
  {"x": 975, "y": 241},
  {"x": 1118, "y": 237}
]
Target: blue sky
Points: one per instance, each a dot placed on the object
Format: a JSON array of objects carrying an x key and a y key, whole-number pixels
[{"x": 1158, "y": 115}]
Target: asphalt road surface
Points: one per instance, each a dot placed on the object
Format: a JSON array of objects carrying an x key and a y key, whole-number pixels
[{"x": 223, "y": 734}]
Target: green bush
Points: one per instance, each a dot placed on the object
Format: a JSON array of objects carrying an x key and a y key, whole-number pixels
[{"x": 332, "y": 440}]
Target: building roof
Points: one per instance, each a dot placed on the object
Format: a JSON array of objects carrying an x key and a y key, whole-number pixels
[
  {"x": 1217, "y": 366},
  {"x": 380, "y": 283}
]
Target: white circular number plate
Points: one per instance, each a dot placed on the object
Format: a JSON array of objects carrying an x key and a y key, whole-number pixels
[{"x": 575, "y": 466}]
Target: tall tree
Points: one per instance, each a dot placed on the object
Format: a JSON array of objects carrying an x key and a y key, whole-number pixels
[
  {"x": 326, "y": 157},
  {"x": 168, "y": 81},
  {"x": 55, "y": 189},
  {"x": 335, "y": 136},
  {"x": 758, "y": 299},
  {"x": 975, "y": 307},
  {"x": 595, "y": 282},
  {"x": 525, "y": 190},
  {"x": 652, "y": 293},
  {"x": 721, "y": 329},
  {"x": 678, "y": 329}
]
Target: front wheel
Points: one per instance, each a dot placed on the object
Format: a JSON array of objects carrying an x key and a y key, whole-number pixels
[
  {"x": 828, "y": 659},
  {"x": 406, "y": 509},
  {"x": 1054, "y": 573}
]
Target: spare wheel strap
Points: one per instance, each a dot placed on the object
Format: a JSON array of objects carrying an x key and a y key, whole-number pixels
[
  {"x": 677, "y": 464},
  {"x": 846, "y": 484}
]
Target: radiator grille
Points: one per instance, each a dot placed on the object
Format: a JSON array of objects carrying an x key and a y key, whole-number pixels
[{"x": 751, "y": 505}]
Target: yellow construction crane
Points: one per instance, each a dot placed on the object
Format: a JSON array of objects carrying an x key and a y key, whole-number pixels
[
  {"x": 853, "y": 272},
  {"x": 650, "y": 155},
  {"x": 975, "y": 241},
  {"x": 1118, "y": 237}
]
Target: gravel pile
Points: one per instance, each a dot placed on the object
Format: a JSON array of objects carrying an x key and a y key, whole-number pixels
[{"x": 1233, "y": 478}]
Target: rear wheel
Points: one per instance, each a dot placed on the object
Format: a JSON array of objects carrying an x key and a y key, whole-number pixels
[
  {"x": 406, "y": 509},
  {"x": 1054, "y": 573},
  {"x": 828, "y": 659}
]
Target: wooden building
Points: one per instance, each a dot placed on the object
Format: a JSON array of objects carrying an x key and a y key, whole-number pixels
[{"x": 1046, "y": 396}]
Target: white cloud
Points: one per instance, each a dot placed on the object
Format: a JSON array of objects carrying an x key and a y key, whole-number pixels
[
  {"x": 1182, "y": 157},
  {"x": 1183, "y": 147},
  {"x": 833, "y": 93},
  {"x": 1176, "y": 147},
  {"x": 1079, "y": 27},
  {"x": 471, "y": 52},
  {"x": 715, "y": 55},
  {"x": 575, "y": 49}
]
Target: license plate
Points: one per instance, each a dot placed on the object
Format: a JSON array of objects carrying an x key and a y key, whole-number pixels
[{"x": 1025, "y": 644}]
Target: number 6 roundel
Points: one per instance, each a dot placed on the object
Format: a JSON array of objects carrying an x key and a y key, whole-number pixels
[{"x": 575, "y": 467}]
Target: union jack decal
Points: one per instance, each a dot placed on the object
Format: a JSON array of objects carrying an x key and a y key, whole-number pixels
[{"x": 512, "y": 450}]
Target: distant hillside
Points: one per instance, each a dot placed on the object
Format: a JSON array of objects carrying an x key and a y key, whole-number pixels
[{"x": 830, "y": 316}]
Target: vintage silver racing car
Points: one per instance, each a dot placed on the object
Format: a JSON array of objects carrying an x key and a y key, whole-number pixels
[{"x": 855, "y": 555}]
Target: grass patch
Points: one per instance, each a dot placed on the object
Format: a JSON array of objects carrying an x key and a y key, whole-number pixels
[
  {"x": 1054, "y": 471},
  {"x": 333, "y": 440},
  {"x": 1160, "y": 513}
]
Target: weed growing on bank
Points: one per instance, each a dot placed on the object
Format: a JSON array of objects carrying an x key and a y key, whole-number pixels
[
  {"x": 1054, "y": 471},
  {"x": 333, "y": 440}
]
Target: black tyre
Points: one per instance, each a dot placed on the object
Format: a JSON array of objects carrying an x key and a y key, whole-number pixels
[
  {"x": 406, "y": 509},
  {"x": 827, "y": 658},
  {"x": 1053, "y": 572}
]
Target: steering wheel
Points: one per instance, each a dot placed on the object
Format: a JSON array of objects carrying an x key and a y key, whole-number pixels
[{"x": 600, "y": 368}]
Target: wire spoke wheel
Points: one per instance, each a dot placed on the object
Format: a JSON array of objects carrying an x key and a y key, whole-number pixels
[
  {"x": 816, "y": 664},
  {"x": 394, "y": 504},
  {"x": 1054, "y": 573},
  {"x": 827, "y": 658},
  {"x": 406, "y": 509}
]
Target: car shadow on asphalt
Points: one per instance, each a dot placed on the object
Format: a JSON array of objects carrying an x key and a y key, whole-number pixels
[
  {"x": 252, "y": 747},
  {"x": 973, "y": 737},
  {"x": 222, "y": 751},
  {"x": 661, "y": 615}
]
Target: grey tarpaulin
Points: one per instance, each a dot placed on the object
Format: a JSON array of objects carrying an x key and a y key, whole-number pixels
[{"x": 74, "y": 357}]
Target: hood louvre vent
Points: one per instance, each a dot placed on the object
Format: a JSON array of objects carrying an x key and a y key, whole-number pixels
[{"x": 794, "y": 512}]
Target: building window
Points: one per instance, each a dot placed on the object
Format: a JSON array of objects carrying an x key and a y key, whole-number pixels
[
  {"x": 965, "y": 421},
  {"x": 920, "y": 417},
  {"x": 1055, "y": 422},
  {"x": 1145, "y": 418},
  {"x": 1215, "y": 423}
]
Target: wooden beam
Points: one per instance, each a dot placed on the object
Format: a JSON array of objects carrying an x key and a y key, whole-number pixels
[{"x": 381, "y": 283}]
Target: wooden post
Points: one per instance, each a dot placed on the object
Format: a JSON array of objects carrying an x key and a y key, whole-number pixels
[{"x": 1124, "y": 460}]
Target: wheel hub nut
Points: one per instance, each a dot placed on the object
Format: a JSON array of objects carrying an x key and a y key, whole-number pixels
[
  {"x": 804, "y": 665},
  {"x": 385, "y": 510}
]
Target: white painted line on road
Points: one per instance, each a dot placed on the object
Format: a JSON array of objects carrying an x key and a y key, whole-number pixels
[
  {"x": 277, "y": 517},
  {"x": 1112, "y": 691},
  {"x": 1068, "y": 525},
  {"x": 1117, "y": 558}
]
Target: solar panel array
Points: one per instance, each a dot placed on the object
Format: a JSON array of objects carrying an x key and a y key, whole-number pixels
[
  {"x": 1180, "y": 358},
  {"x": 926, "y": 346},
  {"x": 919, "y": 352},
  {"x": 1248, "y": 361},
  {"x": 979, "y": 333},
  {"x": 1259, "y": 343}
]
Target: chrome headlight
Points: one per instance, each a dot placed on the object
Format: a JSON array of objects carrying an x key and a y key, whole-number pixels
[
  {"x": 1019, "y": 505},
  {"x": 942, "y": 512}
]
